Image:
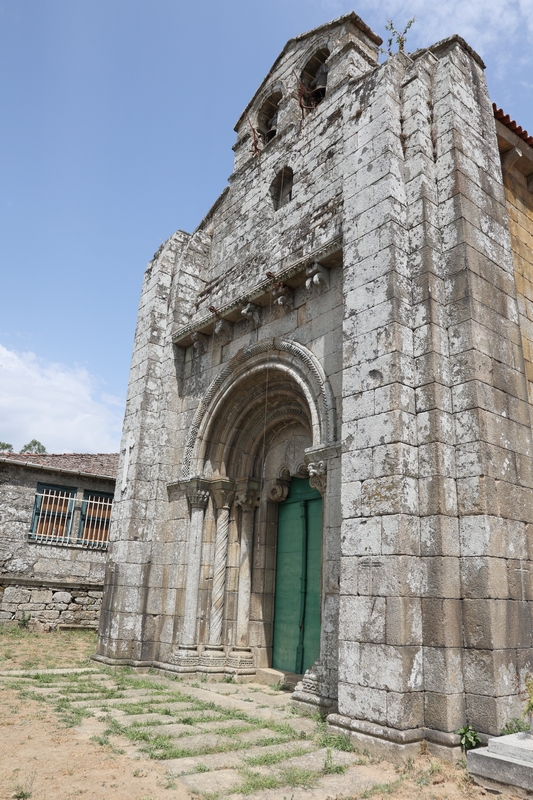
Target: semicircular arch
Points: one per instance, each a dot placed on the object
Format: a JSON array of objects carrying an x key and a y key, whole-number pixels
[{"x": 283, "y": 356}]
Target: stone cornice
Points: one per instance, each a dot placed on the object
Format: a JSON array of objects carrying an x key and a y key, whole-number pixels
[{"x": 259, "y": 294}]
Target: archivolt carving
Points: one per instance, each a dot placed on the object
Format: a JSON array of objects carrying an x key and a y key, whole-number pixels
[{"x": 281, "y": 355}]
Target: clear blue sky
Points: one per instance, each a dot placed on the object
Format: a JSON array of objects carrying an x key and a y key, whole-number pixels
[{"x": 117, "y": 129}]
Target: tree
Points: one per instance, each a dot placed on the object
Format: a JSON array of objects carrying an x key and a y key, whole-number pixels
[
  {"x": 5, "y": 447},
  {"x": 398, "y": 37},
  {"x": 34, "y": 447}
]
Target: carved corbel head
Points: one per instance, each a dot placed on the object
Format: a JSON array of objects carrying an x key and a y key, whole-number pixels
[
  {"x": 317, "y": 475},
  {"x": 200, "y": 342},
  {"x": 317, "y": 276},
  {"x": 282, "y": 295},
  {"x": 252, "y": 312},
  {"x": 224, "y": 330}
]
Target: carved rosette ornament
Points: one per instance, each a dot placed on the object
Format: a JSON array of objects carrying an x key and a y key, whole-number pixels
[{"x": 317, "y": 475}]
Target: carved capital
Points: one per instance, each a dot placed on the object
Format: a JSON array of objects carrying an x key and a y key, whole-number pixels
[
  {"x": 199, "y": 342},
  {"x": 223, "y": 491},
  {"x": 317, "y": 475},
  {"x": 247, "y": 495},
  {"x": 317, "y": 276},
  {"x": 279, "y": 491},
  {"x": 197, "y": 492},
  {"x": 252, "y": 312}
]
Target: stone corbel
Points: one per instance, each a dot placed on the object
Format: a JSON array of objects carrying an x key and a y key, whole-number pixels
[
  {"x": 282, "y": 296},
  {"x": 317, "y": 475},
  {"x": 317, "y": 275},
  {"x": 279, "y": 490},
  {"x": 510, "y": 157},
  {"x": 199, "y": 342},
  {"x": 252, "y": 312},
  {"x": 224, "y": 330}
]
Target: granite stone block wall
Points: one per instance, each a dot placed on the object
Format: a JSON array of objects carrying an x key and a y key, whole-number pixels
[{"x": 373, "y": 335}]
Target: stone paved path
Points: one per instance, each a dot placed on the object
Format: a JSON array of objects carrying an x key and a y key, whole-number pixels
[{"x": 223, "y": 741}]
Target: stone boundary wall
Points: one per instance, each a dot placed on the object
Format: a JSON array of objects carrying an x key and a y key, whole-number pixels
[{"x": 49, "y": 605}]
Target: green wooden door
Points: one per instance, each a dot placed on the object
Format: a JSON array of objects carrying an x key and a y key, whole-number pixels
[{"x": 296, "y": 641}]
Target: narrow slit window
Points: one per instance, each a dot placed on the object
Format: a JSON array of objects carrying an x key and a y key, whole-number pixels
[{"x": 281, "y": 188}]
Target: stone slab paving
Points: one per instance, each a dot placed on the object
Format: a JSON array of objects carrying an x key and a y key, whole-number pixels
[{"x": 224, "y": 735}]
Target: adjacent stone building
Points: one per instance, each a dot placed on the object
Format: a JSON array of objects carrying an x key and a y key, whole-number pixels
[
  {"x": 54, "y": 522},
  {"x": 327, "y": 460}
]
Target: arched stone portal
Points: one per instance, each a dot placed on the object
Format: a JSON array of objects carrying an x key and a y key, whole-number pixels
[{"x": 267, "y": 418}]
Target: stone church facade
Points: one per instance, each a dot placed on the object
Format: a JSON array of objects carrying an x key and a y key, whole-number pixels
[{"x": 327, "y": 460}]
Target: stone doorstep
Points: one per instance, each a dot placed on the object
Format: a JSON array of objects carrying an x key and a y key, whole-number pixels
[{"x": 274, "y": 677}]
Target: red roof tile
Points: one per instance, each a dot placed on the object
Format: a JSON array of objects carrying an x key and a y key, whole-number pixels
[
  {"x": 511, "y": 124},
  {"x": 103, "y": 464}
]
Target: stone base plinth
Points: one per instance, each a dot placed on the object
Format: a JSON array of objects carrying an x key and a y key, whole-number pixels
[
  {"x": 184, "y": 659},
  {"x": 394, "y": 744},
  {"x": 240, "y": 662},
  {"x": 505, "y": 765},
  {"x": 212, "y": 660}
]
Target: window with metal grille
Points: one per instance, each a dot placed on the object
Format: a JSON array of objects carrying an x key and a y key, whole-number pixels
[
  {"x": 95, "y": 519},
  {"x": 52, "y": 514}
]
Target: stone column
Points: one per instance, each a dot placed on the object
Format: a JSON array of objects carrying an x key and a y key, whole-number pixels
[
  {"x": 186, "y": 655},
  {"x": 240, "y": 660},
  {"x": 213, "y": 658}
]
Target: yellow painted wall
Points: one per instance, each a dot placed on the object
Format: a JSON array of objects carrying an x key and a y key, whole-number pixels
[{"x": 520, "y": 210}]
